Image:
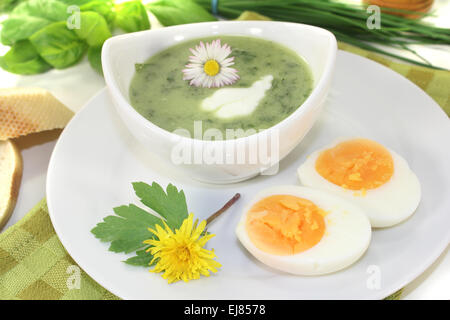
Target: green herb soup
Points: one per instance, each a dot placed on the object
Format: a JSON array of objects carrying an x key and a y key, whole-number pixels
[{"x": 159, "y": 93}]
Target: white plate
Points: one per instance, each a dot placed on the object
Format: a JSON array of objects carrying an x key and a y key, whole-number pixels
[{"x": 95, "y": 161}]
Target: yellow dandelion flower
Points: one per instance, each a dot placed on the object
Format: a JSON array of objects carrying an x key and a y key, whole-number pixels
[{"x": 180, "y": 255}]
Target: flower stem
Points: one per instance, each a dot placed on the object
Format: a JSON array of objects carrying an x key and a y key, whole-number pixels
[{"x": 223, "y": 209}]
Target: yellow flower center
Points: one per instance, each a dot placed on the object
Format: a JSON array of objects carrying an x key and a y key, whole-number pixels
[
  {"x": 180, "y": 254},
  {"x": 211, "y": 68},
  {"x": 183, "y": 253}
]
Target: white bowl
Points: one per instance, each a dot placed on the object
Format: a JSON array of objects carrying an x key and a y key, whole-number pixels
[{"x": 317, "y": 46}]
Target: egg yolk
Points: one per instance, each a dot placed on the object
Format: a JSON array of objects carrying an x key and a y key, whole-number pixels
[
  {"x": 285, "y": 224},
  {"x": 358, "y": 164}
]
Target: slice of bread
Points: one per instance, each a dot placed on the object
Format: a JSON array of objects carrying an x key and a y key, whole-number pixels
[
  {"x": 10, "y": 177},
  {"x": 30, "y": 110}
]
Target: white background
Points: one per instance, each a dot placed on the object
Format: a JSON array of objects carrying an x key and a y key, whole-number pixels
[{"x": 76, "y": 85}]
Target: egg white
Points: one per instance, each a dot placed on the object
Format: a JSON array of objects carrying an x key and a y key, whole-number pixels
[
  {"x": 385, "y": 206},
  {"x": 346, "y": 238}
]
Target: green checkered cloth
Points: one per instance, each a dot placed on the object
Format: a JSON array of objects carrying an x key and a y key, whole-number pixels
[{"x": 34, "y": 264}]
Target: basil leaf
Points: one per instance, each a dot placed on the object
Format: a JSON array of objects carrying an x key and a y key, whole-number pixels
[
  {"x": 104, "y": 8},
  {"x": 173, "y": 12},
  {"x": 23, "y": 58},
  {"x": 93, "y": 28},
  {"x": 58, "y": 45},
  {"x": 20, "y": 28},
  {"x": 79, "y": 2},
  {"x": 8, "y": 5},
  {"x": 131, "y": 16},
  {"x": 51, "y": 10},
  {"x": 95, "y": 58},
  {"x": 29, "y": 17}
]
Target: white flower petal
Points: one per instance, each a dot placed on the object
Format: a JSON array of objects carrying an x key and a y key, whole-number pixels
[{"x": 194, "y": 70}]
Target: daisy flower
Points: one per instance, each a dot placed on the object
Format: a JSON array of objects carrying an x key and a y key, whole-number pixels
[
  {"x": 209, "y": 66},
  {"x": 180, "y": 255}
]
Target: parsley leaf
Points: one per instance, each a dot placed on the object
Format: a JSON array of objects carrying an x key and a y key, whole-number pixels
[
  {"x": 129, "y": 227},
  {"x": 141, "y": 258},
  {"x": 127, "y": 230},
  {"x": 171, "y": 206}
]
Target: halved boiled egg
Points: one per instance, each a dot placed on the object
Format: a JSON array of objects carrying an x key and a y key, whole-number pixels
[
  {"x": 303, "y": 231},
  {"x": 373, "y": 177}
]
